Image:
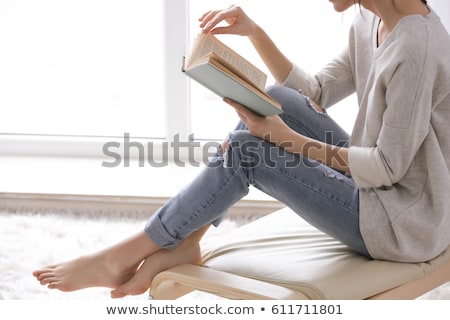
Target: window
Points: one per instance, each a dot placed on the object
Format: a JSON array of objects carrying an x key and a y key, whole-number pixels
[
  {"x": 82, "y": 68},
  {"x": 89, "y": 70}
]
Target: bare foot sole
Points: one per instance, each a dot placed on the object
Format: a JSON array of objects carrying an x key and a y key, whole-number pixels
[
  {"x": 186, "y": 253},
  {"x": 84, "y": 272}
]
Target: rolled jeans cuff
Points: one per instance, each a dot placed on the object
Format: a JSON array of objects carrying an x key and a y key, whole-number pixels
[{"x": 158, "y": 233}]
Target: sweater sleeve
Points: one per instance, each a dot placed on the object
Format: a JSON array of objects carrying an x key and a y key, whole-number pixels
[
  {"x": 407, "y": 95},
  {"x": 330, "y": 85}
]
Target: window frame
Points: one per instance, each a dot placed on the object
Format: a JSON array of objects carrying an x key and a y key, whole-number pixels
[{"x": 176, "y": 14}]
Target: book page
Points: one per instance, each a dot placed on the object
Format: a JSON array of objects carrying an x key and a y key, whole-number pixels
[
  {"x": 207, "y": 43},
  {"x": 261, "y": 93},
  {"x": 225, "y": 66}
]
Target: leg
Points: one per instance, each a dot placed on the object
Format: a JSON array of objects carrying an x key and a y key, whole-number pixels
[
  {"x": 331, "y": 199},
  {"x": 225, "y": 181},
  {"x": 324, "y": 197},
  {"x": 305, "y": 117},
  {"x": 328, "y": 199},
  {"x": 116, "y": 265},
  {"x": 191, "y": 210}
]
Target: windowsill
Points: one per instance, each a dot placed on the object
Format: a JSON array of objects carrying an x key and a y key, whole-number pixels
[
  {"x": 63, "y": 178},
  {"x": 86, "y": 176}
]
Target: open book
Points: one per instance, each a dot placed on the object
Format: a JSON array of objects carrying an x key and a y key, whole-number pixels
[{"x": 222, "y": 70}]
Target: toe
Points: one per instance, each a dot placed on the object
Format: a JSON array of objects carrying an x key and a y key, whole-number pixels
[
  {"x": 48, "y": 280},
  {"x": 117, "y": 293},
  {"x": 54, "y": 285},
  {"x": 45, "y": 275}
]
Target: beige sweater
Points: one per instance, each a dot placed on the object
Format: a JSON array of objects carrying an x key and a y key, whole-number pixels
[{"x": 400, "y": 145}]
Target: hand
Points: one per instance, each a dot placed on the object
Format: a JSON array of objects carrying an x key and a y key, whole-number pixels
[
  {"x": 272, "y": 129},
  {"x": 238, "y": 22}
]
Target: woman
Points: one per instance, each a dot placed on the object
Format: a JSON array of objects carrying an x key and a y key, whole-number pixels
[{"x": 383, "y": 192}]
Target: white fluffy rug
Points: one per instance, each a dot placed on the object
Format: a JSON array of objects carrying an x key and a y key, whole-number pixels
[{"x": 29, "y": 241}]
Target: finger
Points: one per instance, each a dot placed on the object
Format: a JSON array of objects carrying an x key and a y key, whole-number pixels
[
  {"x": 225, "y": 30},
  {"x": 234, "y": 104},
  {"x": 206, "y": 17},
  {"x": 242, "y": 117},
  {"x": 247, "y": 113},
  {"x": 242, "y": 110},
  {"x": 219, "y": 16},
  {"x": 241, "y": 114},
  {"x": 203, "y": 16},
  {"x": 237, "y": 107}
]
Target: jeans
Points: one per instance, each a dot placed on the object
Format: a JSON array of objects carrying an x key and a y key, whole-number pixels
[{"x": 326, "y": 198}]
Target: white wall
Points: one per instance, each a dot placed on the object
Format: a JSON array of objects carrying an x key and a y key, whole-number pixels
[{"x": 442, "y": 7}]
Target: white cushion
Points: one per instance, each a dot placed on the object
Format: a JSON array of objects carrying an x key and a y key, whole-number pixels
[{"x": 283, "y": 249}]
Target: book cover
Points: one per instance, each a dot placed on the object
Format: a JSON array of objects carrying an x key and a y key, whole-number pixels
[{"x": 230, "y": 77}]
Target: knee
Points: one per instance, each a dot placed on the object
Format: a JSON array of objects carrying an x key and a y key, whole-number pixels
[
  {"x": 292, "y": 101},
  {"x": 235, "y": 142},
  {"x": 281, "y": 93},
  {"x": 241, "y": 145}
]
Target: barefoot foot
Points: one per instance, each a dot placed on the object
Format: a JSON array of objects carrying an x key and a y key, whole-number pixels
[
  {"x": 186, "y": 253},
  {"x": 109, "y": 268},
  {"x": 84, "y": 272}
]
